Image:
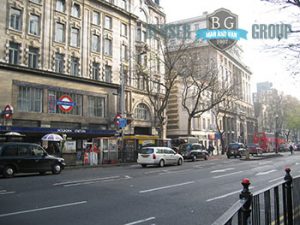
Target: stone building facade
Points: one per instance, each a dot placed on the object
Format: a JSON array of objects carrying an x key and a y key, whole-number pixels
[{"x": 62, "y": 63}]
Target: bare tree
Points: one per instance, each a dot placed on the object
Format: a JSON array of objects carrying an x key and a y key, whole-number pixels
[
  {"x": 203, "y": 87},
  {"x": 159, "y": 82}
]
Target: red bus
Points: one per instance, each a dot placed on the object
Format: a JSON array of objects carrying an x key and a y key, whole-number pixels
[{"x": 267, "y": 141}]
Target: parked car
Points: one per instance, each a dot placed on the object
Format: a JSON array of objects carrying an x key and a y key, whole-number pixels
[
  {"x": 193, "y": 151},
  {"x": 20, "y": 157},
  {"x": 158, "y": 156},
  {"x": 297, "y": 147},
  {"x": 235, "y": 149},
  {"x": 284, "y": 147},
  {"x": 254, "y": 149}
]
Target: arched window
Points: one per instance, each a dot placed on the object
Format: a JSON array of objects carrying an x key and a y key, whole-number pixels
[{"x": 142, "y": 112}]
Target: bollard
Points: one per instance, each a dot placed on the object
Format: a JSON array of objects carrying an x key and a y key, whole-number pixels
[
  {"x": 247, "y": 196},
  {"x": 289, "y": 202}
]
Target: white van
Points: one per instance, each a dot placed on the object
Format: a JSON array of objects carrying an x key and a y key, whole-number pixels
[{"x": 158, "y": 156}]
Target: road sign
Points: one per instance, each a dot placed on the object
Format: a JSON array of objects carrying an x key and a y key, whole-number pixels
[
  {"x": 8, "y": 112},
  {"x": 123, "y": 123},
  {"x": 65, "y": 103}
]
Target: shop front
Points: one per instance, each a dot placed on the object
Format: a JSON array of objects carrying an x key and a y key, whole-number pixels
[{"x": 73, "y": 143}]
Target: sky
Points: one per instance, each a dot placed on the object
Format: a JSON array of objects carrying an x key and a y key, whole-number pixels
[{"x": 265, "y": 66}]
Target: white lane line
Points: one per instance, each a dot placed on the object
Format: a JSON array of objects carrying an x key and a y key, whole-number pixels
[
  {"x": 228, "y": 174},
  {"x": 84, "y": 181},
  {"x": 156, "y": 171},
  {"x": 177, "y": 171},
  {"x": 42, "y": 209},
  {"x": 226, "y": 195},
  {"x": 140, "y": 221},
  {"x": 7, "y": 192},
  {"x": 220, "y": 171},
  {"x": 165, "y": 187},
  {"x": 276, "y": 179},
  {"x": 265, "y": 173}
]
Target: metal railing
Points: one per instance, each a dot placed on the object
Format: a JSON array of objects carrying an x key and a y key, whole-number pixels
[{"x": 278, "y": 204}]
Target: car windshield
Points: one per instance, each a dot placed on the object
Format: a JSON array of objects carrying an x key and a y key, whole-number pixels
[
  {"x": 234, "y": 146},
  {"x": 147, "y": 150}
]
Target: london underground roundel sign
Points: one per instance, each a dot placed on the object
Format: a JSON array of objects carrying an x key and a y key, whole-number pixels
[
  {"x": 8, "y": 111},
  {"x": 65, "y": 103}
]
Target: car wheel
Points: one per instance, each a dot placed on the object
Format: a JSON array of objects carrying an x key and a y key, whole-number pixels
[
  {"x": 8, "y": 171},
  {"x": 194, "y": 158},
  {"x": 161, "y": 163},
  {"x": 205, "y": 157},
  {"x": 144, "y": 165},
  {"x": 56, "y": 169},
  {"x": 179, "y": 163}
]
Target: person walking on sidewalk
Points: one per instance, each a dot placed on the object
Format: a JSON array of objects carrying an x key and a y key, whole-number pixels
[{"x": 291, "y": 149}]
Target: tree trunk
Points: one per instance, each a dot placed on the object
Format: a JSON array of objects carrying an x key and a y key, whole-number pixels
[{"x": 189, "y": 128}]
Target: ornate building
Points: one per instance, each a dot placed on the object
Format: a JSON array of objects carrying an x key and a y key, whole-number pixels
[{"x": 62, "y": 63}]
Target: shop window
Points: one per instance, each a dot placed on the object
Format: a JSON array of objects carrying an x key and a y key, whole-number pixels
[
  {"x": 54, "y": 97},
  {"x": 30, "y": 99},
  {"x": 96, "y": 106}
]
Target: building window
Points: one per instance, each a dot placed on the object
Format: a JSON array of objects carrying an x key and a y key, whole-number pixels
[
  {"x": 74, "y": 37},
  {"x": 15, "y": 21},
  {"x": 158, "y": 65},
  {"x": 96, "y": 106},
  {"x": 141, "y": 82},
  {"x": 123, "y": 29},
  {"x": 95, "y": 43},
  {"x": 204, "y": 124},
  {"x": 60, "y": 5},
  {"x": 53, "y": 98},
  {"x": 59, "y": 63},
  {"x": 123, "y": 4},
  {"x": 14, "y": 51},
  {"x": 74, "y": 66},
  {"x": 96, "y": 18},
  {"x": 108, "y": 22},
  {"x": 34, "y": 25},
  {"x": 60, "y": 32},
  {"x": 95, "y": 71},
  {"x": 108, "y": 47},
  {"x": 30, "y": 99},
  {"x": 75, "y": 10},
  {"x": 36, "y": 1},
  {"x": 142, "y": 112},
  {"x": 33, "y": 56},
  {"x": 124, "y": 53},
  {"x": 108, "y": 73}
]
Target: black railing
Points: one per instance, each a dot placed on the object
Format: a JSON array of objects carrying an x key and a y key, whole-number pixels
[{"x": 278, "y": 204}]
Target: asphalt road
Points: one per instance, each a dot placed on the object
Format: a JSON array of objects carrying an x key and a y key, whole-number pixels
[{"x": 194, "y": 193}]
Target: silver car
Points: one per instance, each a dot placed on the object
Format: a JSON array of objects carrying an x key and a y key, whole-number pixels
[{"x": 158, "y": 156}]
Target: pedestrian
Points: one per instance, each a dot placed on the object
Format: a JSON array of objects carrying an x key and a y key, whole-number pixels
[
  {"x": 210, "y": 149},
  {"x": 291, "y": 149}
]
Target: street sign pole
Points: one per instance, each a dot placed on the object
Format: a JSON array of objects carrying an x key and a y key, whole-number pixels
[{"x": 122, "y": 106}]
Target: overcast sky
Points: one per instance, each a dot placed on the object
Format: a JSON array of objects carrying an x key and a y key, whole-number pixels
[{"x": 265, "y": 66}]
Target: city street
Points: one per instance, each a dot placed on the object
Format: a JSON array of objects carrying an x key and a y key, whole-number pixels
[{"x": 194, "y": 193}]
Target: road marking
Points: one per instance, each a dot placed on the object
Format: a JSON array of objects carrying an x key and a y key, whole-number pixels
[
  {"x": 276, "y": 179},
  {"x": 42, "y": 209},
  {"x": 265, "y": 173},
  {"x": 141, "y": 221},
  {"x": 228, "y": 174},
  {"x": 156, "y": 171},
  {"x": 4, "y": 192},
  {"x": 226, "y": 195},
  {"x": 175, "y": 171},
  {"x": 165, "y": 187},
  {"x": 87, "y": 180},
  {"x": 220, "y": 171}
]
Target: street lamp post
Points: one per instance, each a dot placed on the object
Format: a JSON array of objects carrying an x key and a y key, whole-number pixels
[{"x": 276, "y": 133}]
